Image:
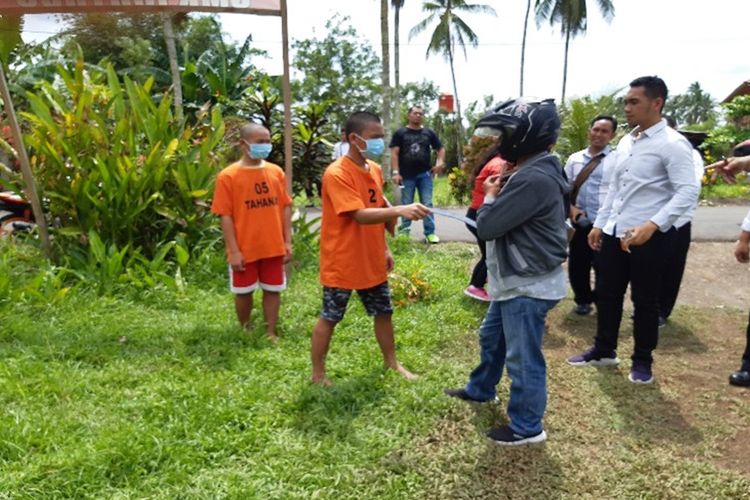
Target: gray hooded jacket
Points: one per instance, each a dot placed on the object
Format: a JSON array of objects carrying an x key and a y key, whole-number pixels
[{"x": 525, "y": 225}]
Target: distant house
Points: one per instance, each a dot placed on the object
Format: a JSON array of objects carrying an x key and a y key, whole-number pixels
[{"x": 743, "y": 89}]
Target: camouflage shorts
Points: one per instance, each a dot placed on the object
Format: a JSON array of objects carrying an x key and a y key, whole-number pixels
[{"x": 377, "y": 301}]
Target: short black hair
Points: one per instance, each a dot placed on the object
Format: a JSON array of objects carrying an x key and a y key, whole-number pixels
[
  {"x": 358, "y": 120},
  {"x": 414, "y": 106},
  {"x": 653, "y": 87},
  {"x": 609, "y": 118}
]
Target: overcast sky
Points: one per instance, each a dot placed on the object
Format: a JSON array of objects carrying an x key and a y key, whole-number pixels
[{"x": 674, "y": 39}]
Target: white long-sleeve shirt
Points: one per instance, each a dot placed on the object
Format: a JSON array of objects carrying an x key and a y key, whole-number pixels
[
  {"x": 698, "y": 166},
  {"x": 653, "y": 180},
  {"x": 593, "y": 192}
]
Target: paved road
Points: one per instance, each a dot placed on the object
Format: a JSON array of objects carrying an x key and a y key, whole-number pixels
[{"x": 720, "y": 223}]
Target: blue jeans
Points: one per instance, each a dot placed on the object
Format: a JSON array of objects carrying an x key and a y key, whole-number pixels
[
  {"x": 422, "y": 183},
  {"x": 511, "y": 336}
]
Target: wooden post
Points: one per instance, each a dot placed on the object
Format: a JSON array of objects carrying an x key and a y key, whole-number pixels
[
  {"x": 174, "y": 68},
  {"x": 28, "y": 176},
  {"x": 286, "y": 91}
]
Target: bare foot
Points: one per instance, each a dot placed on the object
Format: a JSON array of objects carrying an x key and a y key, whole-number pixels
[
  {"x": 404, "y": 372},
  {"x": 272, "y": 337},
  {"x": 321, "y": 380}
]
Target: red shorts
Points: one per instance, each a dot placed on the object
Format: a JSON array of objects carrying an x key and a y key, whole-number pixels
[{"x": 266, "y": 273}]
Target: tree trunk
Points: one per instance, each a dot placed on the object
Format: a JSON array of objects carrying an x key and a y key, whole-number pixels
[
  {"x": 565, "y": 67},
  {"x": 385, "y": 72},
  {"x": 397, "y": 66},
  {"x": 460, "y": 125},
  {"x": 523, "y": 44},
  {"x": 23, "y": 158},
  {"x": 173, "y": 65}
]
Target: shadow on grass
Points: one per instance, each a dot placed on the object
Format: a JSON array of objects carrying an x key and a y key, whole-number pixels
[
  {"x": 511, "y": 472},
  {"x": 217, "y": 346},
  {"x": 643, "y": 411},
  {"x": 676, "y": 336},
  {"x": 330, "y": 411}
]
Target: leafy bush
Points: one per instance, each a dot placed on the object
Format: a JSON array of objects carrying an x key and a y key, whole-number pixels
[
  {"x": 721, "y": 140},
  {"x": 305, "y": 237},
  {"x": 112, "y": 162},
  {"x": 576, "y": 115}
]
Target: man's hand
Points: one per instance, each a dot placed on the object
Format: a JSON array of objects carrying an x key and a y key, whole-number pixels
[
  {"x": 237, "y": 261},
  {"x": 438, "y": 169},
  {"x": 575, "y": 212},
  {"x": 742, "y": 248},
  {"x": 595, "y": 239},
  {"x": 389, "y": 262},
  {"x": 729, "y": 167},
  {"x": 288, "y": 253},
  {"x": 415, "y": 211},
  {"x": 397, "y": 179},
  {"x": 638, "y": 235},
  {"x": 492, "y": 185}
]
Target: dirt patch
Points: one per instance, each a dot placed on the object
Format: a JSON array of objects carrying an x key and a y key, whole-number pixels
[
  {"x": 733, "y": 453},
  {"x": 713, "y": 278}
]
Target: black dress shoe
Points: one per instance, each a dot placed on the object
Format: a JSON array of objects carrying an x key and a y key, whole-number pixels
[
  {"x": 740, "y": 378},
  {"x": 463, "y": 395},
  {"x": 582, "y": 309}
]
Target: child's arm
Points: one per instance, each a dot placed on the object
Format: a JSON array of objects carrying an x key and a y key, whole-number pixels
[
  {"x": 288, "y": 233},
  {"x": 415, "y": 211},
  {"x": 390, "y": 263},
  {"x": 236, "y": 259}
]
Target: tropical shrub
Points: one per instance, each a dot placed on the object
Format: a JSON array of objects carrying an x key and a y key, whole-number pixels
[
  {"x": 576, "y": 115},
  {"x": 112, "y": 162},
  {"x": 721, "y": 140}
]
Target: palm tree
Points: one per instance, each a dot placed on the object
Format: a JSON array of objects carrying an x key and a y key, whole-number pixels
[
  {"x": 385, "y": 75},
  {"x": 523, "y": 43},
  {"x": 572, "y": 18},
  {"x": 397, "y": 6},
  {"x": 450, "y": 31}
]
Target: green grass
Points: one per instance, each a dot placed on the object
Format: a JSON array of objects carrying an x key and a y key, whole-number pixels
[
  {"x": 722, "y": 190},
  {"x": 162, "y": 396},
  {"x": 441, "y": 192}
]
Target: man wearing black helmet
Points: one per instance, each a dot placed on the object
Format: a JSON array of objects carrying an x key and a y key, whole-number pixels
[
  {"x": 523, "y": 223},
  {"x": 652, "y": 186}
]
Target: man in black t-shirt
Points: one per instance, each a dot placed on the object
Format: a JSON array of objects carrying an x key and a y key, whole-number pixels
[{"x": 411, "y": 154}]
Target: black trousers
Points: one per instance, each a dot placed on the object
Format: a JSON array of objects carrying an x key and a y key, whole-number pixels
[
  {"x": 642, "y": 268},
  {"x": 581, "y": 259},
  {"x": 746, "y": 356},
  {"x": 479, "y": 274},
  {"x": 675, "y": 257}
]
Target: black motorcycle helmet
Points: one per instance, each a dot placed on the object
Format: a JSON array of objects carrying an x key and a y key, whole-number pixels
[{"x": 526, "y": 126}]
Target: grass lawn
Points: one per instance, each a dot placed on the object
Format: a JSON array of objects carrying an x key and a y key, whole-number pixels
[{"x": 162, "y": 396}]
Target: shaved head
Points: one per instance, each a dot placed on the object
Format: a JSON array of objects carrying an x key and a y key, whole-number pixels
[{"x": 251, "y": 131}]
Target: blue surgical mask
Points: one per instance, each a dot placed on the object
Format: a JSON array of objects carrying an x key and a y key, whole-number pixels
[
  {"x": 259, "y": 151},
  {"x": 374, "y": 148}
]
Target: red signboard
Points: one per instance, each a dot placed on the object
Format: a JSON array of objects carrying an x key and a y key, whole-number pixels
[
  {"x": 18, "y": 7},
  {"x": 445, "y": 103}
]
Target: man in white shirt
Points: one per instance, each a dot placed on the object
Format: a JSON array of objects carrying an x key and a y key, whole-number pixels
[
  {"x": 653, "y": 184},
  {"x": 341, "y": 147},
  {"x": 678, "y": 245},
  {"x": 589, "y": 172}
]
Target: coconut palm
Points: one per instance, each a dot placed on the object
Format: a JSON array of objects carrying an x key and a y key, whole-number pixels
[
  {"x": 523, "y": 43},
  {"x": 450, "y": 31},
  {"x": 397, "y": 6},
  {"x": 572, "y": 17},
  {"x": 385, "y": 75}
]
